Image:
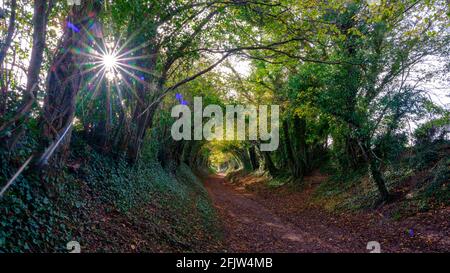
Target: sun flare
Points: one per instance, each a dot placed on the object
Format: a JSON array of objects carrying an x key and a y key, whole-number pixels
[
  {"x": 114, "y": 62},
  {"x": 109, "y": 61}
]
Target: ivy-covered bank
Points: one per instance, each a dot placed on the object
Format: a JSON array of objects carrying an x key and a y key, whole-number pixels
[{"x": 106, "y": 204}]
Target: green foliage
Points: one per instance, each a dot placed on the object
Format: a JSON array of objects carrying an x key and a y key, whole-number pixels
[
  {"x": 347, "y": 77},
  {"x": 43, "y": 214},
  {"x": 34, "y": 221},
  {"x": 340, "y": 183},
  {"x": 203, "y": 204},
  {"x": 438, "y": 188}
]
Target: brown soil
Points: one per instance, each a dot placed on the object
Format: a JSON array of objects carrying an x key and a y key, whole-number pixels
[{"x": 283, "y": 220}]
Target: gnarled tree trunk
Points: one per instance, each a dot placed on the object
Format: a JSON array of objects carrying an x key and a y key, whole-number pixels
[
  {"x": 64, "y": 78},
  {"x": 11, "y": 28},
  {"x": 4, "y": 46},
  {"x": 253, "y": 157},
  {"x": 270, "y": 167}
]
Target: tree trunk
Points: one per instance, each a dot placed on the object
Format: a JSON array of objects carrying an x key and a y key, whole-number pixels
[
  {"x": 186, "y": 151},
  {"x": 64, "y": 79},
  {"x": 11, "y": 29},
  {"x": 141, "y": 123},
  {"x": 268, "y": 163},
  {"x": 243, "y": 158},
  {"x": 287, "y": 146},
  {"x": 377, "y": 177},
  {"x": 196, "y": 145},
  {"x": 253, "y": 157},
  {"x": 5, "y": 45},
  {"x": 292, "y": 160},
  {"x": 40, "y": 20},
  {"x": 302, "y": 162}
]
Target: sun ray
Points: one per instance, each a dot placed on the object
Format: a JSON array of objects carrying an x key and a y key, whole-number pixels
[
  {"x": 97, "y": 87},
  {"x": 136, "y": 57},
  {"x": 133, "y": 92},
  {"x": 120, "y": 54},
  {"x": 117, "y": 43},
  {"x": 93, "y": 40},
  {"x": 95, "y": 79},
  {"x": 92, "y": 51},
  {"x": 140, "y": 80},
  {"x": 127, "y": 41},
  {"x": 84, "y": 72},
  {"x": 113, "y": 62},
  {"x": 99, "y": 82},
  {"x": 119, "y": 93},
  {"x": 139, "y": 69}
]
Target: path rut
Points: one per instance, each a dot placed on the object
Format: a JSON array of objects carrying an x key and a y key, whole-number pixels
[{"x": 250, "y": 227}]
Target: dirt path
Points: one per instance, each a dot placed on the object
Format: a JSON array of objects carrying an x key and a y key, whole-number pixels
[
  {"x": 250, "y": 227},
  {"x": 278, "y": 221}
]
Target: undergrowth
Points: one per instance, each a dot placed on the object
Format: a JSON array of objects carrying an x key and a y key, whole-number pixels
[
  {"x": 419, "y": 181},
  {"x": 41, "y": 213}
]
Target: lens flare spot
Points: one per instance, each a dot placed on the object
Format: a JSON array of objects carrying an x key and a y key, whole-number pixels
[{"x": 109, "y": 61}]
